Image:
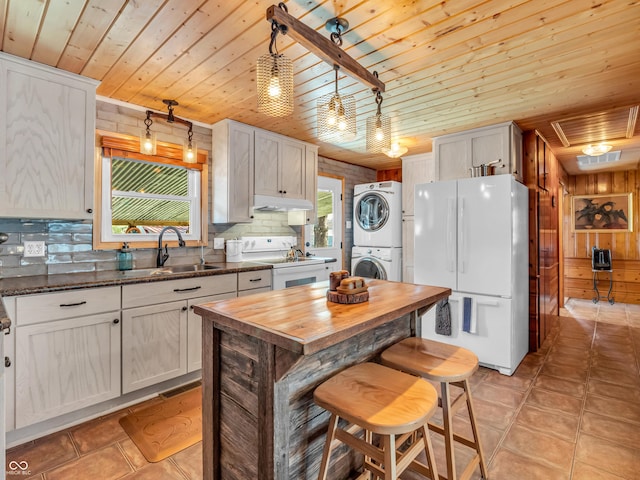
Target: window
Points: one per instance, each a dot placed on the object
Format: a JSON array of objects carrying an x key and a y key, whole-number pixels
[{"x": 142, "y": 194}]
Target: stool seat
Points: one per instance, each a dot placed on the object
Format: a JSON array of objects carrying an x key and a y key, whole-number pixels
[
  {"x": 436, "y": 361},
  {"x": 448, "y": 365},
  {"x": 378, "y": 398}
]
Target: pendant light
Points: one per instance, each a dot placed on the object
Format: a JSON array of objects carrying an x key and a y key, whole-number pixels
[
  {"x": 378, "y": 128},
  {"x": 336, "y": 116},
  {"x": 396, "y": 150},
  {"x": 274, "y": 76},
  {"x": 148, "y": 144}
]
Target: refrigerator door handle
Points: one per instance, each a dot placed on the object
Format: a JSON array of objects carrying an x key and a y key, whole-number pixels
[
  {"x": 450, "y": 228},
  {"x": 461, "y": 246}
]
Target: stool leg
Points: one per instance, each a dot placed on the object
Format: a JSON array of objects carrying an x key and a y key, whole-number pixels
[
  {"x": 390, "y": 467},
  {"x": 447, "y": 419},
  {"x": 474, "y": 428},
  {"x": 326, "y": 453},
  {"x": 431, "y": 459}
]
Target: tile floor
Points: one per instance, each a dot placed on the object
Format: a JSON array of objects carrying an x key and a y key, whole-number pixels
[{"x": 570, "y": 411}]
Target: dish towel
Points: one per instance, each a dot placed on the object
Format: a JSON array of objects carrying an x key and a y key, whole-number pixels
[
  {"x": 466, "y": 314},
  {"x": 443, "y": 317}
]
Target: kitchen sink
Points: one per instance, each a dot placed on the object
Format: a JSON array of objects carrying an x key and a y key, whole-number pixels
[{"x": 151, "y": 272}]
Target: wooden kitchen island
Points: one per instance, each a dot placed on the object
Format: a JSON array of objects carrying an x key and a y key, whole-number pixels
[{"x": 263, "y": 356}]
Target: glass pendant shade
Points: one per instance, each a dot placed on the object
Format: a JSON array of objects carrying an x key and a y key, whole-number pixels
[
  {"x": 275, "y": 85},
  {"x": 148, "y": 142},
  {"x": 336, "y": 118},
  {"x": 396, "y": 150},
  {"x": 378, "y": 133},
  {"x": 190, "y": 151}
]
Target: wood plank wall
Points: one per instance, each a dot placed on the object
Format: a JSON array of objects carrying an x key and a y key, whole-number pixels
[
  {"x": 542, "y": 175},
  {"x": 391, "y": 174},
  {"x": 625, "y": 247}
]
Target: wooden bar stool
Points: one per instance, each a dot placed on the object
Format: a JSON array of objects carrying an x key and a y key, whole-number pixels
[
  {"x": 446, "y": 364},
  {"x": 380, "y": 400}
]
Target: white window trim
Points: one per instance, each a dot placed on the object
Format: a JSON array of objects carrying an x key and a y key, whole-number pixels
[{"x": 194, "y": 211}]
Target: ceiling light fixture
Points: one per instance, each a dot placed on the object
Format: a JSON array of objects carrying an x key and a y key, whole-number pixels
[
  {"x": 336, "y": 116},
  {"x": 595, "y": 150},
  {"x": 274, "y": 77},
  {"x": 396, "y": 150},
  {"x": 148, "y": 142},
  {"x": 378, "y": 128}
]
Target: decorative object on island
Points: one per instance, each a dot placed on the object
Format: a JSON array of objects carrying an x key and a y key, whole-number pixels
[
  {"x": 378, "y": 128},
  {"x": 148, "y": 142},
  {"x": 611, "y": 212},
  {"x": 336, "y": 120},
  {"x": 346, "y": 289},
  {"x": 274, "y": 77}
]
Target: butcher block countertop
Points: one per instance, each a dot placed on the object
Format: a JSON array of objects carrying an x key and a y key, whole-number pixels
[{"x": 302, "y": 320}]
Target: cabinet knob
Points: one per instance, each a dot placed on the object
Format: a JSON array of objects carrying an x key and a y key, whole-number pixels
[
  {"x": 116, "y": 321},
  {"x": 7, "y": 362},
  {"x": 89, "y": 210},
  {"x": 184, "y": 309},
  {"x": 191, "y": 307}
]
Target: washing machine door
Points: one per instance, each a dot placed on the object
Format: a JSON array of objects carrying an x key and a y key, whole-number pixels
[
  {"x": 371, "y": 211},
  {"x": 370, "y": 268}
]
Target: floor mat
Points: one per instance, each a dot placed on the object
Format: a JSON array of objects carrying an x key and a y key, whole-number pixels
[{"x": 165, "y": 428}]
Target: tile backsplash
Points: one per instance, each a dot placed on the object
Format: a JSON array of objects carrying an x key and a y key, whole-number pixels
[{"x": 69, "y": 248}]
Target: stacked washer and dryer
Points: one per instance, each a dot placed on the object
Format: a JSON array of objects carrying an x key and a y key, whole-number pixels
[{"x": 377, "y": 234}]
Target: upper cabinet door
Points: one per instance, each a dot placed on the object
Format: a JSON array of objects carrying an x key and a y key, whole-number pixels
[
  {"x": 267, "y": 160},
  {"x": 292, "y": 169},
  {"x": 47, "y": 123}
]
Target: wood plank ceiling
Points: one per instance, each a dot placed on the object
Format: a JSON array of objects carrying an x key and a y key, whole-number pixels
[{"x": 447, "y": 65}]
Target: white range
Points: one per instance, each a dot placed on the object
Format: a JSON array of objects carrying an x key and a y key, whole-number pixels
[{"x": 287, "y": 272}]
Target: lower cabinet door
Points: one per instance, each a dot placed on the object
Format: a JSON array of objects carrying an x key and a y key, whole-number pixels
[
  {"x": 154, "y": 344},
  {"x": 65, "y": 365}
]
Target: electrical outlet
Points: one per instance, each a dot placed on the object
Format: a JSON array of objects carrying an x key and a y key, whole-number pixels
[
  {"x": 218, "y": 243},
  {"x": 34, "y": 249}
]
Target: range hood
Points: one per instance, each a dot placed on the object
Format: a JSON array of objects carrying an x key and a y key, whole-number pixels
[{"x": 266, "y": 203}]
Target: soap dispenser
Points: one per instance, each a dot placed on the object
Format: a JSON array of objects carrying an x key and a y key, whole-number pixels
[{"x": 125, "y": 258}]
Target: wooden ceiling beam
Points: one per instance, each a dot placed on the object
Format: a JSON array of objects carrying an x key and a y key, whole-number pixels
[{"x": 323, "y": 47}]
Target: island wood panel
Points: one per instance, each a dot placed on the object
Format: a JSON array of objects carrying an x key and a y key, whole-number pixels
[
  {"x": 266, "y": 404},
  {"x": 624, "y": 246}
]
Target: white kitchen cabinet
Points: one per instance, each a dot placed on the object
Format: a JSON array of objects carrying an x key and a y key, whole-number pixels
[
  {"x": 279, "y": 166},
  {"x": 415, "y": 169},
  {"x": 232, "y": 159},
  {"x": 47, "y": 130},
  {"x": 194, "y": 330},
  {"x": 154, "y": 344},
  {"x": 65, "y": 365},
  {"x": 155, "y": 327},
  {"x": 308, "y": 217},
  {"x": 457, "y": 153}
]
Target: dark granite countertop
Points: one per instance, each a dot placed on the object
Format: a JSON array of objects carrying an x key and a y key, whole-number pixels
[{"x": 29, "y": 285}]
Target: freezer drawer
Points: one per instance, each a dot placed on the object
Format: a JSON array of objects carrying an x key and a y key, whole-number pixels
[{"x": 491, "y": 320}]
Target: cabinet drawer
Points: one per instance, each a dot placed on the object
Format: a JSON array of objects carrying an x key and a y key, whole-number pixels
[
  {"x": 244, "y": 293},
  {"x": 152, "y": 293},
  {"x": 255, "y": 279},
  {"x": 43, "y": 307}
]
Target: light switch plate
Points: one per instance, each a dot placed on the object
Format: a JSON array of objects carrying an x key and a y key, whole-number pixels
[
  {"x": 218, "y": 243},
  {"x": 34, "y": 249}
]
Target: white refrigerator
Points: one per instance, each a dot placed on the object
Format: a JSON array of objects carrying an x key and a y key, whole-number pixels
[{"x": 471, "y": 235}]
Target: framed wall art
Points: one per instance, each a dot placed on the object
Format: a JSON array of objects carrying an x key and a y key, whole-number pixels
[{"x": 609, "y": 213}]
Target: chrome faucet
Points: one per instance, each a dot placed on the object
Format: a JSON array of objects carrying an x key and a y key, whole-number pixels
[{"x": 163, "y": 257}]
